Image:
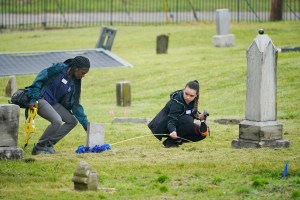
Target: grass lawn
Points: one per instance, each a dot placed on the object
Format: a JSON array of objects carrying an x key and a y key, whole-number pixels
[{"x": 142, "y": 168}]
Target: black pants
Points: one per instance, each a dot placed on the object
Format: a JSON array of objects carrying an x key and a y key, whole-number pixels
[{"x": 187, "y": 130}]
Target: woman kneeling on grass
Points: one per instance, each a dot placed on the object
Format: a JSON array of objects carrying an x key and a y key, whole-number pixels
[
  {"x": 180, "y": 120},
  {"x": 57, "y": 90}
]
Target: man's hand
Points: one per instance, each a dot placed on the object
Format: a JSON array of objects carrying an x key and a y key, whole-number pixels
[
  {"x": 173, "y": 135},
  {"x": 31, "y": 106}
]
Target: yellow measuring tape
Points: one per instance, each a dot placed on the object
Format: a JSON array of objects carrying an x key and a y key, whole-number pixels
[{"x": 29, "y": 125}]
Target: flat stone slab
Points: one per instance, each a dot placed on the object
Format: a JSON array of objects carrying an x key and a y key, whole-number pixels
[
  {"x": 11, "y": 153},
  {"x": 242, "y": 143},
  {"x": 228, "y": 121},
  {"x": 131, "y": 120}
]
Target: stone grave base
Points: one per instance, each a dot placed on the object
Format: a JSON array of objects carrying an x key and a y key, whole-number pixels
[
  {"x": 11, "y": 153},
  {"x": 254, "y": 134},
  {"x": 243, "y": 143},
  {"x": 223, "y": 40},
  {"x": 260, "y": 131}
]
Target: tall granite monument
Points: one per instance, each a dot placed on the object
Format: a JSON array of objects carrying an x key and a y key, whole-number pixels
[{"x": 260, "y": 128}]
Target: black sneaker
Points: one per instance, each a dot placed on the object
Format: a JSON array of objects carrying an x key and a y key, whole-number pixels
[
  {"x": 51, "y": 150},
  {"x": 36, "y": 150},
  {"x": 169, "y": 143}
]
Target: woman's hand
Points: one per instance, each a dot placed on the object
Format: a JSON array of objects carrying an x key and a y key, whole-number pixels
[
  {"x": 201, "y": 117},
  {"x": 173, "y": 135}
]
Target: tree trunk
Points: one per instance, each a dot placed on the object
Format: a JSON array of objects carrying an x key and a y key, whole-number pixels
[{"x": 276, "y": 10}]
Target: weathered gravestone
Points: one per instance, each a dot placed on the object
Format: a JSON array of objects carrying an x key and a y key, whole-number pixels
[
  {"x": 123, "y": 93},
  {"x": 85, "y": 178},
  {"x": 162, "y": 42},
  {"x": 11, "y": 86},
  {"x": 106, "y": 38},
  {"x": 9, "y": 126},
  {"x": 260, "y": 128},
  {"x": 223, "y": 37},
  {"x": 95, "y": 134}
]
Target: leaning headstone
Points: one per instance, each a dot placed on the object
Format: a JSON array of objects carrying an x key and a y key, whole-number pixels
[
  {"x": 106, "y": 38},
  {"x": 223, "y": 37},
  {"x": 9, "y": 126},
  {"x": 123, "y": 93},
  {"x": 85, "y": 178},
  {"x": 162, "y": 42},
  {"x": 95, "y": 134},
  {"x": 260, "y": 128},
  {"x": 11, "y": 86}
]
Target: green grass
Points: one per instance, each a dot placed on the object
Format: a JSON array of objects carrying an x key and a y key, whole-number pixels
[{"x": 142, "y": 168}]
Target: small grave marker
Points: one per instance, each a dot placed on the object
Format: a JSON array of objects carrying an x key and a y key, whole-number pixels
[
  {"x": 162, "y": 42},
  {"x": 95, "y": 134},
  {"x": 11, "y": 86},
  {"x": 123, "y": 93},
  {"x": 85, "y": 178}
]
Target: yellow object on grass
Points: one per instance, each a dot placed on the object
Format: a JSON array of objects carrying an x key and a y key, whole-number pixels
[{"x": 29, "y": 125}]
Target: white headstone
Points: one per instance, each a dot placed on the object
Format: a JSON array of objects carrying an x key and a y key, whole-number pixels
[
  {"x": 223, "y": 37},
  {"x": 261, "y": 80},
  {"x": 95, "y": 134},
  {"x": 223, "y": 21}
]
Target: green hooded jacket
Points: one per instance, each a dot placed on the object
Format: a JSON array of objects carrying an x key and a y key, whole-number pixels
[{"x": 37, "y": 89}]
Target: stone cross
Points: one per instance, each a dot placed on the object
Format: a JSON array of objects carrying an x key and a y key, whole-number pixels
[
  {"x": 95, "y": 134},
  {"x": 223, "y": 37},
  {"x": 9, "y": 127},
  {"x": 260, "y": 128},
  {"x": 123, "y": 93}
]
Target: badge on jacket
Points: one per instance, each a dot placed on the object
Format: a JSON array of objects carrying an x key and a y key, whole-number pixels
[{"x": 64, "y": 81}]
